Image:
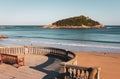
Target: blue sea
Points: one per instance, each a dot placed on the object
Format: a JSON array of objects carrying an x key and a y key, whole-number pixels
[{"x": 100, "y": 40}]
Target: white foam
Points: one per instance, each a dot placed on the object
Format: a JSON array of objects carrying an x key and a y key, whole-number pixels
[{"x": 30, "y": 41}]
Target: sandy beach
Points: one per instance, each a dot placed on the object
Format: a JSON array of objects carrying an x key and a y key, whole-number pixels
[{"x": 108, "y": 62}]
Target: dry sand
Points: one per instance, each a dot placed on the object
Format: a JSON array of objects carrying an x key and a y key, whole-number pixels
[{"x": 109, "y": 63}]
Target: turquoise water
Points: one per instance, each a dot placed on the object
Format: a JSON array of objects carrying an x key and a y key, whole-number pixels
[{"x": 100, "y": 40}]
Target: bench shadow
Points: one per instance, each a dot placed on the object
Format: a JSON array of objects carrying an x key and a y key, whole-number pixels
[{"x": 51, "y": 74}]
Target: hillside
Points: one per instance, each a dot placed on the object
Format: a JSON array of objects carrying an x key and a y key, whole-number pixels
[{"x": 75, "y": 22}]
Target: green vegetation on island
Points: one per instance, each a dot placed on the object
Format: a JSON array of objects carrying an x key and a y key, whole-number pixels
[{"x": 75, "y": 22}]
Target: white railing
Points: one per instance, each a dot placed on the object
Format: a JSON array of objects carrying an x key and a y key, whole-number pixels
[{"x": 38, "y": 50}]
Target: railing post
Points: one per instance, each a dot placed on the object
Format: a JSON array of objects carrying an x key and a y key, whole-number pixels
[
  {"x": 26, "y": 50},
  {"x": 62, "y": 68},
  {"x": 98, "y": 74}
]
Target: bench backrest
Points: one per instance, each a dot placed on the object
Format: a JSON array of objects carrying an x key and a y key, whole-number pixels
[{"x": 7, "y": 58}]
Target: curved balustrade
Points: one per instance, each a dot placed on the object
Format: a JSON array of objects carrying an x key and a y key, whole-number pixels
[
  {"x": 78, "y": 72},
  {"x": 63, "y": 54}
]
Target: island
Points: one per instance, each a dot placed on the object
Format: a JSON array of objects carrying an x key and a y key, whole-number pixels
[{"x": 75, "y": 22}]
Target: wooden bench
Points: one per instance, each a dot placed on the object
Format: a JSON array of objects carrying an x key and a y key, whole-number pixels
[{"x": 12, "y": 59}]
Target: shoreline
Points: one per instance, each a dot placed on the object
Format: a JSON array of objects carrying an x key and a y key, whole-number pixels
[
  {"x": 59, "y": 44},
  {"x": 73, "y": 27}
]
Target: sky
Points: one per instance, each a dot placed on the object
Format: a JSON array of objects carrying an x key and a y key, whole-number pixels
[{"x": 44, "y": 12}]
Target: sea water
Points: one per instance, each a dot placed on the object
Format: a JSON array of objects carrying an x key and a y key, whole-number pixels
[{"x": 100, "y": 40}]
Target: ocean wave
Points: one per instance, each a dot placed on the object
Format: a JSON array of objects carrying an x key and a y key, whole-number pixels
[
  {"x": 28, "y": 41},
  {"x": 70, "y": 39}
]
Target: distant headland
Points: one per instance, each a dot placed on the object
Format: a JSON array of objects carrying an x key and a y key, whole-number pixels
[
  {"x": 75, "y": 22},
  {"x": 2, "y": 36}
]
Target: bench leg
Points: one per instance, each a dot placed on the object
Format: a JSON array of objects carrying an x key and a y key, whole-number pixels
[{"x": 21, "y": 63}]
